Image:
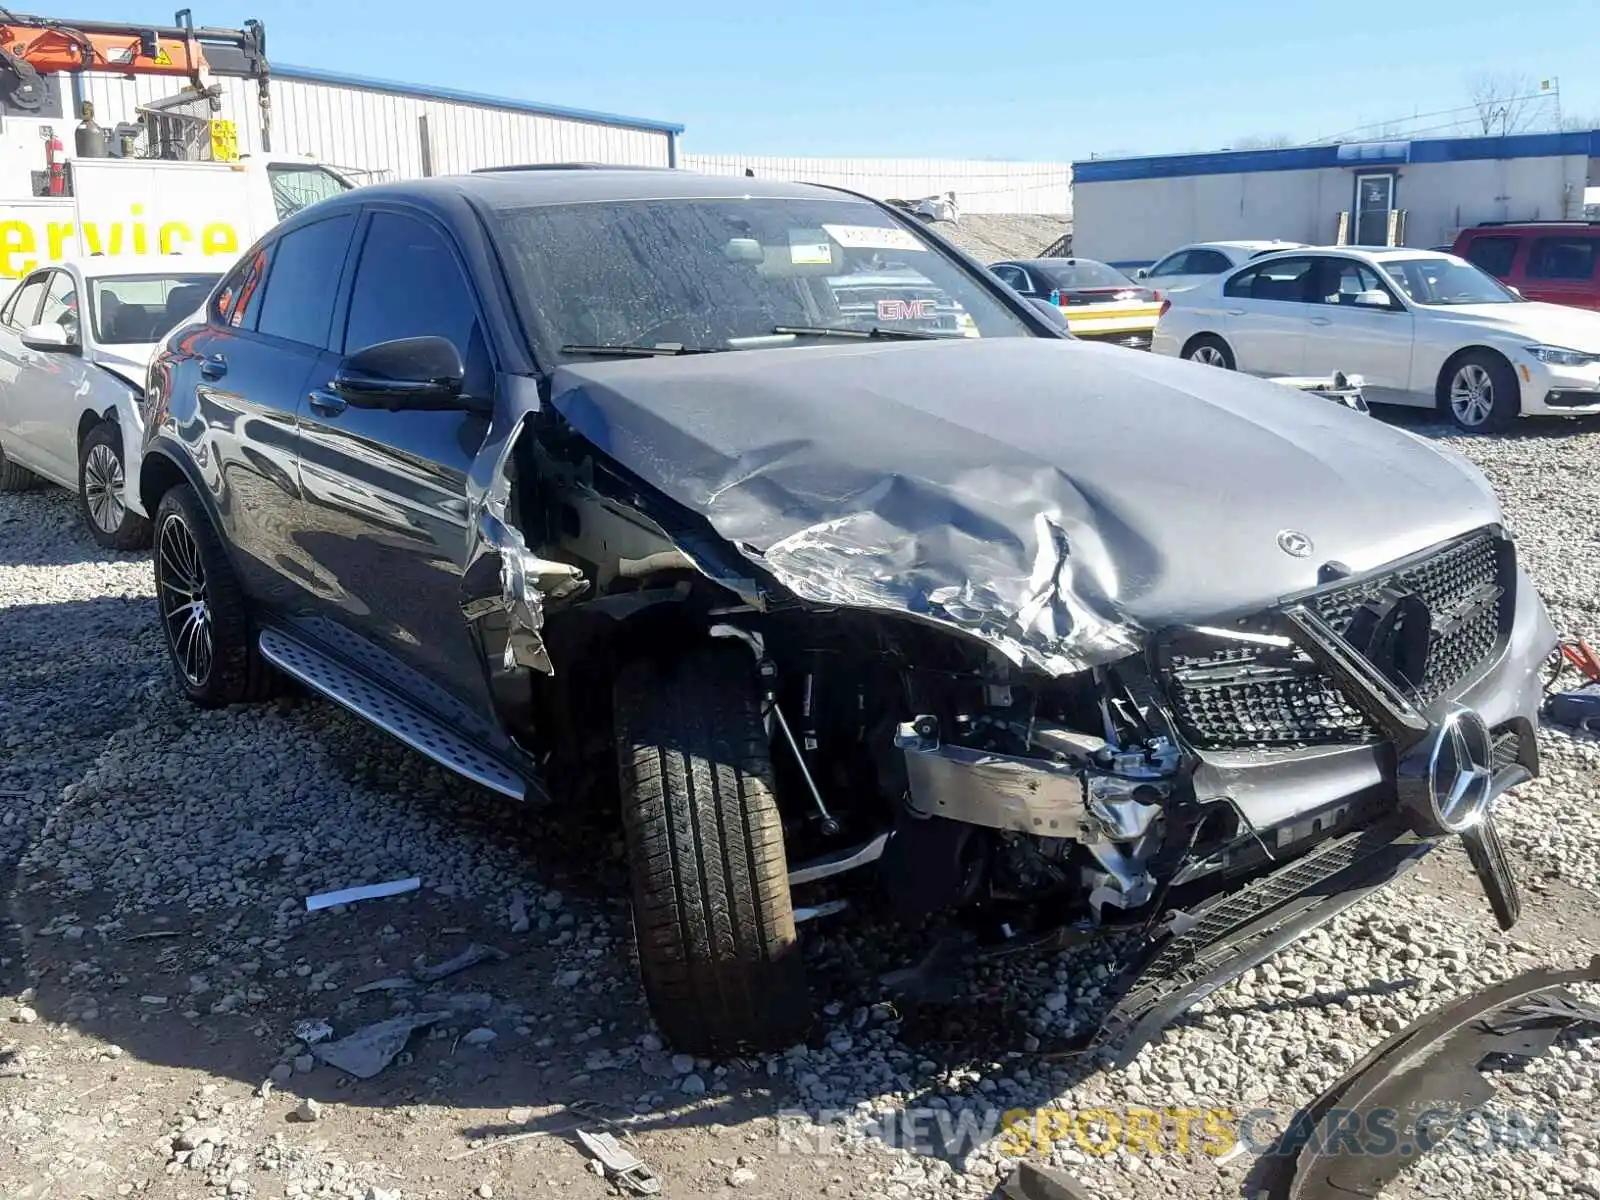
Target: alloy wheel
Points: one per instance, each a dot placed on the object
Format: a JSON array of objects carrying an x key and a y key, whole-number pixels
[
  {"x": 1472, "y": 395},
  {"x": 181, "y": 592},
  {"x": 102, "y": 487},
  {"x": 1209, "y": 356}
]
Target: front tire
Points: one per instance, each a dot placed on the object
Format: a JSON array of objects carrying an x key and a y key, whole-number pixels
[
  {"x": 205, "y": 619},
  {"x": 1209, "y": 351},
  {"x": 14, "y": 478},
  {"x": 1479, "y": 390},
  {"x": 711, "y": 907},
  {"x": 101, "y": 479}
]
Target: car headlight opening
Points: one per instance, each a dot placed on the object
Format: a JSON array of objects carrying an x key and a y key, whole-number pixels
[{"x": 1560, "y": 356}]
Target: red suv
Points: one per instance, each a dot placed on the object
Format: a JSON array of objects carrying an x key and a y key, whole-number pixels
[{"x": 1554, "y": 261}]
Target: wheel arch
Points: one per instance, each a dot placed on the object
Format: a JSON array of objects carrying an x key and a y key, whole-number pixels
[
  {"x": 1205, "y": 335},
  {"x": 89, "y": 419},
  {"x": 1441, "y": 383}
]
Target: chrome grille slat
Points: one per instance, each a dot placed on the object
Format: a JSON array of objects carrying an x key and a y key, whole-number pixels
[{"x": 1278, "y": 697}]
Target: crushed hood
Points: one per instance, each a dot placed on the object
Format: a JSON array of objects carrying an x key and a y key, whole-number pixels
[
  {"x": 128, "y": 362},
  {"x": 1056, "y": 499}
]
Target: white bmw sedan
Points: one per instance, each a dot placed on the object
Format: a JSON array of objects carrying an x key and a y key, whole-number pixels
[
  {"x": 76, "y": 340},
  {"x": 1421, "y": 328}
]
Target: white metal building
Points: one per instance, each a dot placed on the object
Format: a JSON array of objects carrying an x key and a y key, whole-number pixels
[
  {"x": 375, "y": 127},
  {"x": 980, "y": 185},
  {"x": 1410, "y": 193}
]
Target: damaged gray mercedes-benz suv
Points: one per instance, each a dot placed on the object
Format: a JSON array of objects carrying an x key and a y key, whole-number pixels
[{"x": 604, "y": 486}]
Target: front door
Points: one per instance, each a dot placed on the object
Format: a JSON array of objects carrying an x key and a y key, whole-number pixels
[
  {"x": 1349, "y": 330},
  {"x": 1374, "y": 203},
  {"x": 386, "y": 516}
]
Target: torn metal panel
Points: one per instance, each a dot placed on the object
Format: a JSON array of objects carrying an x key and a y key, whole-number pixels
[
  {"x": 1415, "y": 1078},
  {"x": 1049, "y": 498},
  {"x": 503, "y": 576}
]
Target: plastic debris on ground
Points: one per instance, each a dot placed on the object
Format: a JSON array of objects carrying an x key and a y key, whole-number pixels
[
  {"x": 370, "y": 891},
  {"x": 470, "y": 957},
  {"x": 367, "y": 1051}
]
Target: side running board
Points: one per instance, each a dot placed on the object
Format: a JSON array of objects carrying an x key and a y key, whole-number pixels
[{"x": 391, "y": 713}]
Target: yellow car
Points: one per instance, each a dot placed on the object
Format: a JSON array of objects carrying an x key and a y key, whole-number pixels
[{"x": 1099, "y": 302}]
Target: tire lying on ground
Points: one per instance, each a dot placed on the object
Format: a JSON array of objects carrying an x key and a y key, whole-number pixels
[{"x": 711, "y": 907}]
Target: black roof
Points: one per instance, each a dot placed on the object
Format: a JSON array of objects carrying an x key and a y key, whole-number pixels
[{"x": 522, "y": 188}]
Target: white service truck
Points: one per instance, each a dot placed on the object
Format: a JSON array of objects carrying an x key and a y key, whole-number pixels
[{"x": 210, "y": 211}]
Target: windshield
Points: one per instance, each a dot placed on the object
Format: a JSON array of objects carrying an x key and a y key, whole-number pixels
[
  {"x": 1445, "y": 281},
  {"x": 730, "y": 273},
  {"x": 1084, "y": 273},
  {"x": 130, "y": 310}
]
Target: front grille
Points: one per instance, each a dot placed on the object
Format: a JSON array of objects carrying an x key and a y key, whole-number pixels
[{"x": 1231, "y": 695}]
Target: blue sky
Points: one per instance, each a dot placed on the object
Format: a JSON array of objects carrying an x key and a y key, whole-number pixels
[{"x": 940, "y": 78}]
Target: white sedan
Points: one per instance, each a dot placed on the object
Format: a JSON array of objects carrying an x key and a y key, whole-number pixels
[
  {"x": 1189, "y": 266},
  {"x": 76, "y": 340},
  {"x": 1421, "y": 328}
]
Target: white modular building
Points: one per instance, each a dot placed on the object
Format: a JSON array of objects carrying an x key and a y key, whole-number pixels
[{"x": 1407, "y": 193}]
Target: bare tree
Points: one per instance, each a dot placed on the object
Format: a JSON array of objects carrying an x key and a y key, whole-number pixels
[
  {"x": 1270, "y": 141},
  {"x": 1580, "y": 124},
  {"x": 1505, "y": 101}
]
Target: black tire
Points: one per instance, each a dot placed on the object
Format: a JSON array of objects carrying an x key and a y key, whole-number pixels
[
  {"x": 101, "y": 475},
  {"x": 711, "y": 908},
  {"x": 191, "y": 566},
  {"x": 1478, "y": 390},
  {"x": 14, "y": 478},
  {"x": 1211, "y": 351}
]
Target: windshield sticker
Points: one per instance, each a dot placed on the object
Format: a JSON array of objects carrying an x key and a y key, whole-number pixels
[
  {"x": 806, "y": 249},
  {"x": 872, "y": 237}
]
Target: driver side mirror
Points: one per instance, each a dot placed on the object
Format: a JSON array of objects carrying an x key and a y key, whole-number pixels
[
  {"x": 417, "y": 372},
  {"x": 1142, "y": 273},
  {"x": 1052, "y": 313},
  {"x": 1375, "y": 299},
  {"x": 51, "y": 337}
]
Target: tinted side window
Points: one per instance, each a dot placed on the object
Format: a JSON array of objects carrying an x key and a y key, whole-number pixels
[
  {"x": 238, "y": 301},
  {"x": 26, "y": 305},
  {"x": 1010, "y": 276},
  {"x": 1563, "y": 258},
  {"x": 304, "y": 281},
  {"x": 408, "y": 284},
  {"x": 1492, "y": 254},
  {"x": 1172, "y": 264},
  {"x": 1206, "y": 262},
  {"x": 1286, "y": 279}
]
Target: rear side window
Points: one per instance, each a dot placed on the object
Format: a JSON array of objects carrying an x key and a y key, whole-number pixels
[
  {"x": 238, "y": 300},
  {"x": 1172, "y": 264},
  {"x": 1492, "y": 254},
  {"x": 304, "y": 281},
  {"x": 1206, "y": 262},
  {"x": 25, "y": 304},
  {"x": 408, "y": 284},
  {"x": 1562, "y": 258},
  {"x": 1282, "y": 279}
]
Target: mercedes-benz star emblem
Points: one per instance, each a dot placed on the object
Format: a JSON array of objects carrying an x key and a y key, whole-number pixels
[
  {"x": 1292, "y": 541},
  {"x": 1461, "y": 771}
]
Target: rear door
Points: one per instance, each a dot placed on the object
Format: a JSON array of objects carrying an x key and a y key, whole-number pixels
[
  {"x": 386, "y": 491},
  {"x": 1359, "y": 339},
  {"x": 1267, "y": 310},
  {"x": 1561, "y": 269},
  {"x": 252, "y": 363}
]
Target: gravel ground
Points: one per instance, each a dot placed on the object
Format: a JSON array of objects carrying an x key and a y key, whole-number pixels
[
  {"x": 993, "y": 236},
  {"x": 155, "y": 859}
]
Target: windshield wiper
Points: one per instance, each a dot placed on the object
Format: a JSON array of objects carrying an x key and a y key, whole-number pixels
[
  {"x": 853, "y": 331},
  {"x": 623, "y": 350}
]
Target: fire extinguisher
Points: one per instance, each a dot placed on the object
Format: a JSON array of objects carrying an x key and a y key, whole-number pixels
[{"x": 56, "y": 170}]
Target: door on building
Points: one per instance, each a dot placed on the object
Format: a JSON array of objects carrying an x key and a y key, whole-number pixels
[{"x": 1374, "y": 203}]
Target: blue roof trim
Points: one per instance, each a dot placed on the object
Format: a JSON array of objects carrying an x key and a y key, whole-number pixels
[
  {"x": 427, "y": 92},
  {"x": 1350, "y": 154}
]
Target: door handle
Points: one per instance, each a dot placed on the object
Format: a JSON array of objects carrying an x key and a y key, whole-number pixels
[
  {"x": 214, "y": 367},
  {"x": 1321, "y": 321},
  {"x": 325, "y": 403},
  {"x": 1233, "y": 312}
]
